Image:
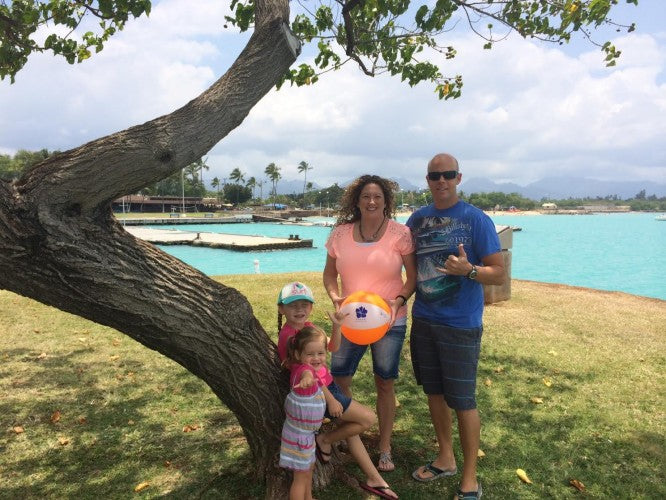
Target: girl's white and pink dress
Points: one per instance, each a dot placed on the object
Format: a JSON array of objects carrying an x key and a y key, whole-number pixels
[{"x": 304, "y": 410}]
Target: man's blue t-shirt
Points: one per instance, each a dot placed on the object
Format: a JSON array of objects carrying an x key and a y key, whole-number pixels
[{"x": 455, "y": 301}]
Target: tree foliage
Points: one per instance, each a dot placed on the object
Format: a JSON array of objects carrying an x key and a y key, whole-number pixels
[
  {"x": 488, "y": 201},
  {"x": 67, "y": 20},
  {"x": 11, "y": 167},
  {"x": 236, "y": 193},
  {"x": 401, "y": 37}
]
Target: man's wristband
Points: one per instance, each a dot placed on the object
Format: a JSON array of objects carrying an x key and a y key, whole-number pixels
[{"x": 404, "y": 299}]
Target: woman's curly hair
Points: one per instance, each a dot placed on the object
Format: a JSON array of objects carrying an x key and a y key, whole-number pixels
[{"x": 349, "y": 211}]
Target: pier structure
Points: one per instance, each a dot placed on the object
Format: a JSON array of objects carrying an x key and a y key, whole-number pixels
[{"x": 237, "y": 242}]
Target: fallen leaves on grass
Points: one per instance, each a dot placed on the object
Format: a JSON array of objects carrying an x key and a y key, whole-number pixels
[
  {"x": 63, "y": 441},
  {"x": 114, "y": 357},
  {"x": 141, "y": 486},
  {"x": 18, "y": 429},
  {"x": 536, "y": 400},
  {"x": 55, "y": 417},
  {"x": 499, "y": 369},
  {"x": 547, "y": 382},
  {"x": 83, "y": 420},
  {"x": 488, "y": 382},
  {"x": 523, "y": 476},
  {"x": 480, "y": 453},
  {"x": 577, "y": 484},
  {"x": 190, "y": 428}
]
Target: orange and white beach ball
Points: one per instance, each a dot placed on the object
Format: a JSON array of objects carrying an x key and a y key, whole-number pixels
[{"x": 368, "y": 319}]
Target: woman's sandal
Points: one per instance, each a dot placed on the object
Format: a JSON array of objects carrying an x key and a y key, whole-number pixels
[{"x": 385, "y": 463}]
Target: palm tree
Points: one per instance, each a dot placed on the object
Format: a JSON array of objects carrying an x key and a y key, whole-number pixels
[
  {"x": 216, "y": 184},
  {"x": 251, "y": 183},
  {"x": 273, "y": 173},
  {"x": 260, "y": 185},
  {"x": 203, "y": 166},
  {"x": 308, "y": 188},
  {"x": 304, "y": 167},
  {"x": 237, "y": 176}
]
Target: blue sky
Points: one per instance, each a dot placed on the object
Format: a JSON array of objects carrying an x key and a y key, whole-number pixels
[{"x": 529, "y": 110}]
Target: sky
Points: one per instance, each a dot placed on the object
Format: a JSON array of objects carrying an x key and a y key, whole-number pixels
[{"x": 529, "y": 110}]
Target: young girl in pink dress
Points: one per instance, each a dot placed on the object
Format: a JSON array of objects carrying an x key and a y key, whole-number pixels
[{"x": 304, "y": 408}]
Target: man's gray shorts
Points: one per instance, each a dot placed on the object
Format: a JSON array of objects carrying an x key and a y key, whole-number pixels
[{"x": 445, "y": 361}]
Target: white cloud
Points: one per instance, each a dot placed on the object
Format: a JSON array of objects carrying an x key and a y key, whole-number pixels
[{"x": 528, "y": 110}]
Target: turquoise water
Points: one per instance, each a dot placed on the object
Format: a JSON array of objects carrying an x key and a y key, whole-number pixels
[{"x": 622, "y": 252}]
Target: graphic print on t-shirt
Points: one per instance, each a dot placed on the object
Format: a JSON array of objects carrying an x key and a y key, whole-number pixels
[{"x": 436, "y": 239}]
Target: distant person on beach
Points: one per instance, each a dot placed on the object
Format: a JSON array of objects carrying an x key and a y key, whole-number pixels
[
  {"x": 295, "y": 303},
  {"x": 368, "y": 250},
  {"x": 457, "y": 251}
]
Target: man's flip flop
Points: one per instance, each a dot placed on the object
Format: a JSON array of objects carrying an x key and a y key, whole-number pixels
[
  {"x": 469, "y": 495},
  {"x": 435, "y": 471},
  {"x": 380, "y": 491}
]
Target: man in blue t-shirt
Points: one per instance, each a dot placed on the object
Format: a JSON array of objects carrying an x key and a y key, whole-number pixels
[{"x": 457, "y": 251}]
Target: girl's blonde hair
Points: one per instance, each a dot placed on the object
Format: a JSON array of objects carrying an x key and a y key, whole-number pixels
[{"x": 298, "y": 342}]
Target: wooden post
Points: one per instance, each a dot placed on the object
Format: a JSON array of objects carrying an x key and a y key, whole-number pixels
[{"x": 497, "y": 293}]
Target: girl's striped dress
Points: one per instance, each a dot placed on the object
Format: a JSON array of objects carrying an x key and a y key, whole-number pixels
[{"x": 304, "y": 410}]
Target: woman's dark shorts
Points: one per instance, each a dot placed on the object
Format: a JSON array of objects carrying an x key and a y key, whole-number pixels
[
  {"x": 342, "y": 398},
  {"x": 445, "y": 361}
]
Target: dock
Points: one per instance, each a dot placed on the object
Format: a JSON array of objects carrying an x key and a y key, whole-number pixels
[
  {"x": 178, "y": 220},
  {"x": 236, "y": 242}
]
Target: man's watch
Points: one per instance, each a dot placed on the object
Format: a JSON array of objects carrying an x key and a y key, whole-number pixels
[{"x": 472, "y": 274}]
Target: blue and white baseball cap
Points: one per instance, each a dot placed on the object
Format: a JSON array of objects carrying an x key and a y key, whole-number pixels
[{"x": 295, "y": 291}]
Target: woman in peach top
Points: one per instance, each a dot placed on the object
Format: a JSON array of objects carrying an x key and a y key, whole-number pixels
[{"x": 368, "y": 250}]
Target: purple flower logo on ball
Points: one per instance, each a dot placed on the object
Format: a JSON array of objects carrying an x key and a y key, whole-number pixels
[{"x": 361, "y": 312}]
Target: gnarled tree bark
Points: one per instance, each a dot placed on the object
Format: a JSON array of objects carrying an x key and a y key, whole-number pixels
[{"x": 60, "y": 244}]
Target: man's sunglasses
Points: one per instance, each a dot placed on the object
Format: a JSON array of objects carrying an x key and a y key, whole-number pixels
[{"x": 449, "y": 175}]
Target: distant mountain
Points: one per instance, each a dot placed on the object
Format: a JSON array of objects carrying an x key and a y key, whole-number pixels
[
  {"x": 564, "y": 187},
  {"x": 289, "y": 187}
]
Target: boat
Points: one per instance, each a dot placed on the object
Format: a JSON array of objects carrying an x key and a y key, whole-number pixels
[
  {"x": 661, "y": 217},
  {"x": 516, "y": 228}
]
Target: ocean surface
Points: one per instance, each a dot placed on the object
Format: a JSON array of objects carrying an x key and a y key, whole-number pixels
[{"x": 619, "y": 252}]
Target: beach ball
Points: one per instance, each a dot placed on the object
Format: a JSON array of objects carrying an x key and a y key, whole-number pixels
[{"x": 368, "y": 317}]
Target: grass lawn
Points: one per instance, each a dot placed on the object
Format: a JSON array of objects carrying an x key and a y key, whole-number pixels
[{"x": 571, "y": 386}]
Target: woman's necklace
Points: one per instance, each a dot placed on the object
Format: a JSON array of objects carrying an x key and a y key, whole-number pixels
[{"x": 374, "y": 236}]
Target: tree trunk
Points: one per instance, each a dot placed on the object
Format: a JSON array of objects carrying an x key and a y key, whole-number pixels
[{"x": 60, "y": 244}]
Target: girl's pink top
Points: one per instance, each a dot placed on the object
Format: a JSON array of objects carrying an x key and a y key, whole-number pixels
[
  {"x": 371, "y": 267},
  {"x": 285, "y": 334}
]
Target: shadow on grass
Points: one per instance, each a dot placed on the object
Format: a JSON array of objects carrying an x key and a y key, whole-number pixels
[{"x": 114, "y": 431}]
